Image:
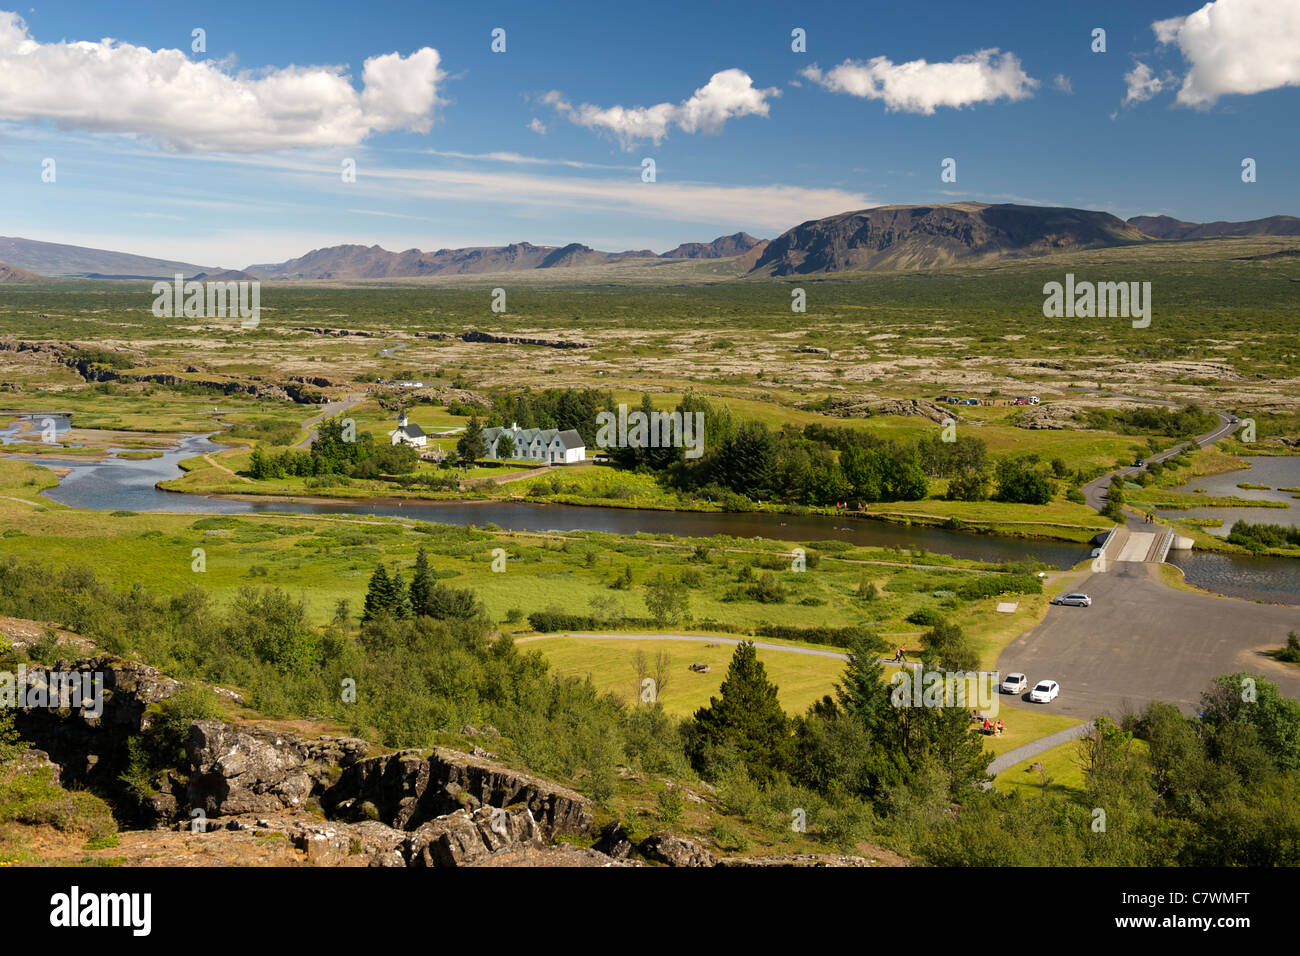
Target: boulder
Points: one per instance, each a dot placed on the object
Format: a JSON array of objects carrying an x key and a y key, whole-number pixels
[
  {"x": 676, "y": 851},
  {"x": 237, "y": 770}
]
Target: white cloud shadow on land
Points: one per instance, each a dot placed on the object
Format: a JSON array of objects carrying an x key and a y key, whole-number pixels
[
  {"x": 183, "y": 104},
  {"x": 727, "y": 95},
  {"x": 1235, "y": 47},
  {"x": 918, "y": 86}
]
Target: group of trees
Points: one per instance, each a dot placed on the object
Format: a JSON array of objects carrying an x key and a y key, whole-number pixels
[
  {"x": 336, "y": 450},
  {"x": 1257, "y": 537},
  {"x": 1218, "y": 789},
  {"x": 824, "y": 464},
  {"x": 1152, "y": 420},
  {"x": 559, "y": 408},
  {"x": 855, "y": 743},
  {"x": 389, "y": 596}
]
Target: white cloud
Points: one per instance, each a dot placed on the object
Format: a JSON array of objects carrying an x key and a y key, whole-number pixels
[
  {"x": 1062, "y": 83},
  {"x": 728, "y": 94},
  {"x": 537, "y": 126},
  {"x": 919, "y": 87},
  {"x": 1143, "y": 84},
  {"x": 1235, "y": 46},
  {"x": 114, "y": 87}
]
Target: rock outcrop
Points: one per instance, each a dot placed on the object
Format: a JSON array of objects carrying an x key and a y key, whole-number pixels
[{"x": 409, "y": 788}]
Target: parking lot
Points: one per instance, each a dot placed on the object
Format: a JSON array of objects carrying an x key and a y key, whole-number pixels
[{"x": 1142, "y": 640}]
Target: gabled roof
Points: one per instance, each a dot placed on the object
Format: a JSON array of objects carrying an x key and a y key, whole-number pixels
[
  {"x": 571, "y": 439},
  {"x": 410, "y": 430}
]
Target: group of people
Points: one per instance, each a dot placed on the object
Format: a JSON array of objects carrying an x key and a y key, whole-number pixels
[{"x": 989, "y": 727}]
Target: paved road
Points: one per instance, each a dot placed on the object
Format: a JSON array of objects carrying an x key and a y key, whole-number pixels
[
  {"x": 1036, "y": 747},
  {"x": 329, "y": 411},
  {"x": 1143, "y": 640},
  {"x": 1095, "y": 491}
]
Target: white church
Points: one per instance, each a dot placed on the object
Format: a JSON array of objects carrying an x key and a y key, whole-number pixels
[
  {"x": 548, "y": 445},
  {"x": 408, "y": 434}
]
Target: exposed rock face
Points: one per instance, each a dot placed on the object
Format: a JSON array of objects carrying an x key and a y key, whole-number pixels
[
  {"x": 795, "y": 860},
  {"x": 846, "y": 407},
  {"x": 676, "y": 851},
  {"x": 1057, "y": 415},
  {"x": 408, "y": 789},
  {"x": 243, "y": 771},
  {"x": 493, "y": 338},
  {"x": 614, "y": 842},
  {"x": 927, "y": 237},
  {"x": 464, "y": 839},
  {"x": 92, "y": 750},
  {"x": 724, "y": 247}
]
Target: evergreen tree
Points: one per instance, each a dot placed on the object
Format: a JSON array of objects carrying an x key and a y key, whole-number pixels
[
  {"x": 471, "y": 446},
  {"x": 400, "y": 598},
  {"x": 379, "y": 595},
  {"x": 747, "y": 718},
  {"x": 422, "y": 585}
]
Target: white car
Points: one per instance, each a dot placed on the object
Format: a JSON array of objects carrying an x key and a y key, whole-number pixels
[
  {"x": 1045, "y": 692},
  {"x": 1015, "y": 684},
  {"x": 1075, "y": 600}
]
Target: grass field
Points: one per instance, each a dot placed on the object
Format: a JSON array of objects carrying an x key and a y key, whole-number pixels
[{"x": 801, "y": 678}]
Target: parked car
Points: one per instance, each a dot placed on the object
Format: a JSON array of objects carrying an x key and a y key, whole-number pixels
[
  {"x": 1074, "y": 599},
  {"x": 1015, "y": 684},
  {"x": 1045, "y": 692},
  {"x": 1138, "y": 462}
]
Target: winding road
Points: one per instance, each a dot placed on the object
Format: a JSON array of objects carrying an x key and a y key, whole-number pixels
[{"x": 1143, "y": 639}]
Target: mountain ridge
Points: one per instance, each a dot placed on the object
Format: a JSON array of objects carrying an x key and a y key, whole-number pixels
[{"x": 911, "y": 237}]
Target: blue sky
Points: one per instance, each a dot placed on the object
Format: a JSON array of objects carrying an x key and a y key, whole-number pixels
[{"x": 233, "y": 155}]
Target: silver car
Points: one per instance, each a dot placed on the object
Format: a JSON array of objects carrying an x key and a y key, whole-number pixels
[{"x": 1073, "y": 600}]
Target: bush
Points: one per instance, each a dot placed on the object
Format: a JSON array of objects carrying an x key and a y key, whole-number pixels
[
  {"x": 925, "y": 617},
  {"x": 671, "y": 806},
  {"x": 553, "y": 619}
]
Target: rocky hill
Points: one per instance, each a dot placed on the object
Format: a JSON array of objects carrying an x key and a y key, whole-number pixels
[
  {"x": 724, "y": 247},
  {"x": 10, "y": 274},
  {"x": 928, "y": 237},
  {"x": 247, "y": 786},
  {"x": 57, "y": 259},
  {"x": 1166, "y": 227}
]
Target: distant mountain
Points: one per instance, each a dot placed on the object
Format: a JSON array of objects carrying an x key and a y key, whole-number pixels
[
  {"x": 1166, "y": 227},
  {"x": 56, "y": 259},
  {"x": 928, "y": 237},
  {"x": 375, "y": 262},
  {"x": 224, "y": 275},
  {"x": 10, "y": 274},
  {"x": 724, "y": 247}
]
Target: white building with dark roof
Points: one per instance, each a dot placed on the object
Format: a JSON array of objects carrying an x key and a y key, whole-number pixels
[
  {"x": 408, "y": 434},
  {"x": 547, "y": 445}
]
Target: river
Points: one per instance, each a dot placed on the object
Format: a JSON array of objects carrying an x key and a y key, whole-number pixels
[{"x": 129, "y": 485}]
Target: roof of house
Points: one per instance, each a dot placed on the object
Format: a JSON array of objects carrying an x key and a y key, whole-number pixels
[
  {"x": 410, "y": 430},
  {"x": 524, "y": 437}
]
